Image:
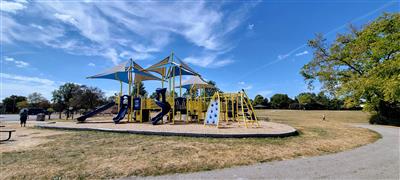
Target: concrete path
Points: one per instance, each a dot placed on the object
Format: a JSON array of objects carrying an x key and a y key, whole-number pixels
[{"x": 379, "y": 160}]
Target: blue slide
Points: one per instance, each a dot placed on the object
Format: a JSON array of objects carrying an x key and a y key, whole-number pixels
[
  {"x": 165, "y": 106},
  {"x": 121, "y": 114},
  {"x": 96, "y": 111}
]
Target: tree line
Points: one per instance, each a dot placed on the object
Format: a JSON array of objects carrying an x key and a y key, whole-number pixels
[
  {"x": 68, "y": 98},
  {"x": 303, "y": 101}
]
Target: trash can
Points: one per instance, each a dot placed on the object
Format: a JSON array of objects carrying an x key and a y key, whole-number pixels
[{"x": 40, "y": 117}]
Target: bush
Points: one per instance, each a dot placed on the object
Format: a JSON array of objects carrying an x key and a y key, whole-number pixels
[{"x": 379, "y": 119}]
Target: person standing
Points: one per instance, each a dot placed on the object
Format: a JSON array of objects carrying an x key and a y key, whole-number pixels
[{"x": 23, "y": 116}]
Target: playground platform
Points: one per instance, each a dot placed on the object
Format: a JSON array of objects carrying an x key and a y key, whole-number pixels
[{"x": 267, "y": 129}]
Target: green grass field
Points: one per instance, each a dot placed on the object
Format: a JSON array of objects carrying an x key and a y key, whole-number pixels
[{"x": 95, "y": 155}]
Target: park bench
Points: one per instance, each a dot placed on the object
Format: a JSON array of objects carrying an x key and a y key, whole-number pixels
[{"x": 9, "y": 131}]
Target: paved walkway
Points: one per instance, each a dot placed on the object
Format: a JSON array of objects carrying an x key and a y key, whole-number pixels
[{"x": 379, "y": 160}]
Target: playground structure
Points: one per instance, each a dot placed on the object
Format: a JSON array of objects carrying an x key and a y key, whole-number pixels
[{"x": 201, "y": 103}]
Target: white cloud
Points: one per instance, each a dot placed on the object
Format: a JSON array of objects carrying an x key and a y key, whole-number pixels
[
  {"x": 250, "y": 26},
  {"x": 301, "y": 53},
  {"x": 265, "y": 93},
  {"x": 208, "y": 60},
  {"x": 37, "y": 26},
  {"x": 109, "y": 93},
  {"x": 24, "y": 85},
  {"x": 110, "y": 29},
  {"x": 12, "y": 7},
  {"x": 283, "y": 56},
  {"x": 66, "y": 18},
  {"x": 9, "y": 59},
  {"x": 27, "y": 79},
  {"x": 21, "y": 64},
  {"x": 91, "y": 64},
  {"x": 244, "y": 85},
  {"x": 18, "y": 63}
]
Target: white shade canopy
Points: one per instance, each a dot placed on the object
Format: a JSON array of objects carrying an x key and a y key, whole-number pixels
[{"x": 195, "y": 81}]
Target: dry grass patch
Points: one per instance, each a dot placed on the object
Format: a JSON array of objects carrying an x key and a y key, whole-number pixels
[{"x": 95, "y": 155}]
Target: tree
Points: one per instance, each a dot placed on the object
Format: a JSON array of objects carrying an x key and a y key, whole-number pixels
[
  {"x": 280, "y": 101},
  {"x": 10, "y": 103},
  {"x": 210, "y": 91},
  {"x": 50, "y": 111},
  {"x": 142, "y": 89},
  {"x": 35, "y": 98},
  {"x": 361, "y": 66},
  {"x": 266, "y": 102},
  {"x": 153, "y": 95},
  {"x": 22, "y": 104},
  {"x": 63, "y": 95},
  {"x": 323, "y": 100},
  {"x": 306, "y": 98},
  {"x": 45, "y": 104},
  {"x": 258, "y": 100},
  {"x": 87, "y": 98}
]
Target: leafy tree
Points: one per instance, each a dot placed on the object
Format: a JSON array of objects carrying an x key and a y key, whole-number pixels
[
  {"x": 22, "y": 104},
  {"x": 10, "y": 103},
  {"x": 50, "y": 111},
  {"x": 266, "y": 102},
  {"x": 45, "y": 104},
  {"x": 306, "y": 98},
  {"x": 111, "y": 98},
  {"x": 87, "y": 98},
  {"x": 323, "y": 100},
  {"x": 63, "y": 95},
  {"x": 58, "y": 107},
  {"x": 258, "y": 100},
  {"x": 142, "y": 89},
  {"x": 280, "y": 101},
  {"x": 211, "y": 91},
  {"x": 35, "y": 98},
  {"x": 362, "y": 65},
  {"x": 336, "y": 104},
  {"x": 153, "y": 95}
]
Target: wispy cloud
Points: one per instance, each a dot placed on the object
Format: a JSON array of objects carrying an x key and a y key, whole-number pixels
[
  {"x": 18, "y": 63},
  {"x": 12, "y": 7},
  {"x": 92, "y": 64},
  {"x": 301, "y": 53},
  {"x": 144, "y": 28},
  {"x": 208, "y": 60},
  {"x": 24, "y": 85},
  {"x": 244, "y": 85},
  {"x": 265, "y": 93},
  {"x": 283, "y": 56}
]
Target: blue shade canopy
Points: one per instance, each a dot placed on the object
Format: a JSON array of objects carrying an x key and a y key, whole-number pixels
[
  {"x": 120, "y": 73},
  {"x": 174, "y": 65}
]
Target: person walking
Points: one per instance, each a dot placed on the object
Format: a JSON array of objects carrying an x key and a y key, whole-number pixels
[{"x": 23, "y": 116}]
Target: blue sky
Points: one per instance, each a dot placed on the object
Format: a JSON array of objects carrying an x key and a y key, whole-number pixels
[{"x": 255, "y": 45}]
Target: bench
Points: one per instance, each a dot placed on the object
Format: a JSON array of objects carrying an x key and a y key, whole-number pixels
[{"x": 9, "y": 133}]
